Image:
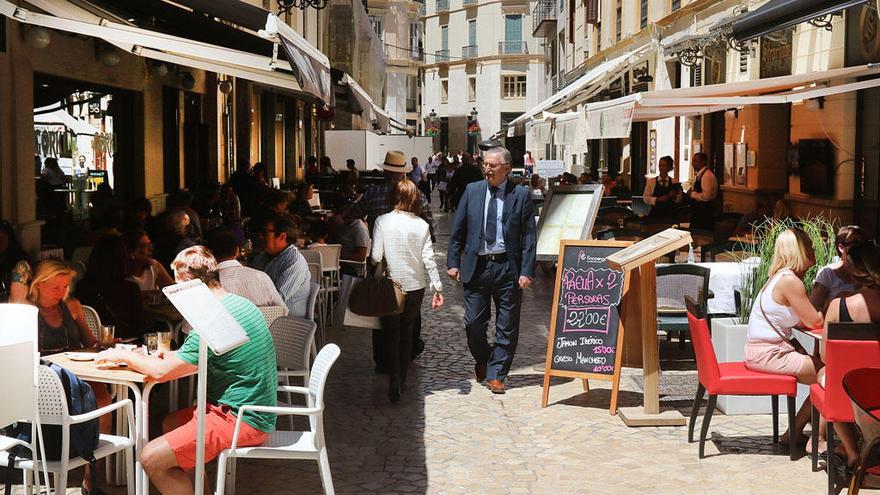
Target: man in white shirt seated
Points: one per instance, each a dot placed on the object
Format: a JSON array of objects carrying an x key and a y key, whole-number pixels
[{"x": 253, "y": 285}]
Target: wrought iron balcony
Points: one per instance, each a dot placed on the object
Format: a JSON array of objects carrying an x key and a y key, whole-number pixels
[
  {"x": 441, "y": 56},
  {"x": 469, "y": 51},
  {"x": 441, "y": 6},
  {"x": 512, "y": 47},
  {"x": 544, "y": 19}
]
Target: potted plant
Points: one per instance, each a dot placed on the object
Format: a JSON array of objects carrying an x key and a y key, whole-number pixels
[
  {"x": 432, "y": 131},
  {"x": 473, "y": 129},
  {"x": 729, "y": 334}
]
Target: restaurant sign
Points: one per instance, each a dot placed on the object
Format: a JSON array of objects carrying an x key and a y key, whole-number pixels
[{"x": 776, "y": 53}]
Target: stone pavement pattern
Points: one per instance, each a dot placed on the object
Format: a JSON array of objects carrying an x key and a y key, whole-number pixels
[{"x": 450, "y": 435}]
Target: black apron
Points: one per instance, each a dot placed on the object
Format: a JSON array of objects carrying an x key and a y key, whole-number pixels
[
  {"x": 666, "y": 208},
  {"x": 701, "y": 211}
]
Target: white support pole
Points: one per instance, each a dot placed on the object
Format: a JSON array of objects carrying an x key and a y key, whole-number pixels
[{"x": 200, "y": 415}]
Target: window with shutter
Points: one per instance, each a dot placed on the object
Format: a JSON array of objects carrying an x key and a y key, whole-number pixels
[{"x": 593, "y": 14}]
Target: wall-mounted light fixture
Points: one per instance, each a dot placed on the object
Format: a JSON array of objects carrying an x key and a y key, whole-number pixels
[
  {"x": 37, "y": 37},
  {"x": 108, "y": 55},
  {"x": 225, "y": 86},
  {"x": 187, "y": 81}
]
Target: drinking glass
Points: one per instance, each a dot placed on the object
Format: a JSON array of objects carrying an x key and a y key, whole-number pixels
[
  {"x": 108, "y": 333},
  {"x": 163, "y": 343},
  {"x": 152, "y": 342}
]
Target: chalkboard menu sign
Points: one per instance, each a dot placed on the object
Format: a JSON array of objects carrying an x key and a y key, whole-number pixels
[{"x": 585, "y": 332}]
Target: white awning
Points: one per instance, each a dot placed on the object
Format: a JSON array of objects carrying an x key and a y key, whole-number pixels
[
  {"x": 371, "y": 112},
  {"x": 158, "y": 46},
  {"x": 312, "y": 65},
  {"x": 48, "y": 115},
  {"x": 596, "y": 75},
  {"x": 655, "y": 105}
]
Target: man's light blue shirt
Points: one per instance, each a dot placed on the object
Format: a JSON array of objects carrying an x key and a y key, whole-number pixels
[{"x": 498, "y": 246}]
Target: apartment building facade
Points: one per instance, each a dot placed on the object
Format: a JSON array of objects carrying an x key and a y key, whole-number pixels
[{"x": 483, "y": 68}]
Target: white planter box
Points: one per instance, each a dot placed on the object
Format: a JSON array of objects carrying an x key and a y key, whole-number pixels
[{"x": 729, "y": 340}]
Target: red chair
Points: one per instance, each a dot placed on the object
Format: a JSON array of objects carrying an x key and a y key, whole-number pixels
[
  {"x": 732, "y": 379},
  {"x": 861, "y": 387},
  {"x": 849, "y": 346}
]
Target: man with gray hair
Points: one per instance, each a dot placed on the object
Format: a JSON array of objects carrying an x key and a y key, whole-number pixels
[{"x": 492, "y": 252}]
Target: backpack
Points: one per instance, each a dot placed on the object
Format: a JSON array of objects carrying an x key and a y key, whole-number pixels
[{"x": 83, "y": 437}]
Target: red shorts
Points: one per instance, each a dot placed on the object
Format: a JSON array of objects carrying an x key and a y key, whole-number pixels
[{"x": 219, "y": 429}]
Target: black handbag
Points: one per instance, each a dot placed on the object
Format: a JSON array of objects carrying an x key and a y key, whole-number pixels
[{"x": 376, "y": 295}]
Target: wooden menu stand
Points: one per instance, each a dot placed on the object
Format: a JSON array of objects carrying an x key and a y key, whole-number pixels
[{"x": 638, "y": 262}]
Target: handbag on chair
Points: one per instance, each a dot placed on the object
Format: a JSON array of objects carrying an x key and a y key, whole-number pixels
[{"x": 376, "y": 295}]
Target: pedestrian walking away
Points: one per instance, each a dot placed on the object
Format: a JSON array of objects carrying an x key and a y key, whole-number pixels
[{"x": 492, "y": 252}]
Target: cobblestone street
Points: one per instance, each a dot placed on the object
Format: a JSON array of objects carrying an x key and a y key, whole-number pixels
[{"x": 451, "y": 435}]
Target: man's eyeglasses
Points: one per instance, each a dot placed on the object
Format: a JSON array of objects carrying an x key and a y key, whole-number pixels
[{"x": 493, "y": 165}]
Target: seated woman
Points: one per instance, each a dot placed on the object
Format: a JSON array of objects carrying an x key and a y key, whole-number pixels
[
  {"x": 318, "y": 233},
  {"x": 105, "y": 288},
  {"x": 61, "y": 326},
  {"x": 146, "y": 272},
  {"x": 862, "y": 307},
  {"x": 835, "y": 280},
  {"x": 781, "y": 305}
]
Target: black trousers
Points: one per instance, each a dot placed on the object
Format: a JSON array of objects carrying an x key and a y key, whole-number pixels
[
  {"x": 492, "y": 281},
  {"x": 398, "y": 335}
]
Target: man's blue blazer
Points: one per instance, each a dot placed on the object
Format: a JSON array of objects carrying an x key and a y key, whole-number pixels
[{"x": 518, "y": 220}]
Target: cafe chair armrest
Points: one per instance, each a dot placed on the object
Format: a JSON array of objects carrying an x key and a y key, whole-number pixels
[
  {"x": 295, "y": 390},
  {"x": 101, "y": 411}
]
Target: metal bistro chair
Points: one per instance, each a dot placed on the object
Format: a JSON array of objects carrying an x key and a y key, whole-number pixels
[
  {"x": 861, "y": 387},
  {"x": 674, "y": 283},
  {"x": 289, "y": 444}
]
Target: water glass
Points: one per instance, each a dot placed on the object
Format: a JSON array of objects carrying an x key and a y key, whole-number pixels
[
  {"x": 108, "y": 333},
  {"x": 152, "y": 340},
  {"x": 163, "y": 343}
]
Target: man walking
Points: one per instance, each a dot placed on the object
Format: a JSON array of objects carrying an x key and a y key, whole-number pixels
[{"x": 492, "y": 252}]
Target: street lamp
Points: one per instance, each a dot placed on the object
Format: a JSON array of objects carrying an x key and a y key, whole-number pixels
[
  {"x": 473, "y": 114},
  {"x": 432, "y": 115}
]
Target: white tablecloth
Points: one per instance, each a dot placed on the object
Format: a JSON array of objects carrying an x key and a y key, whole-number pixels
[{"x": 724, "y": 278}]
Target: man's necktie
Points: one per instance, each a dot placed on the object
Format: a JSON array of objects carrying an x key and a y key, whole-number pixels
[{"x": 492, "y": 217}]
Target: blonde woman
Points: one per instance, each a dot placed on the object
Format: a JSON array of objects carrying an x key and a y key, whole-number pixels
[
  {"x": 62, "y": 326},
  {"x": 782, "y": 305},
  {"x": 403, "y": 239}
]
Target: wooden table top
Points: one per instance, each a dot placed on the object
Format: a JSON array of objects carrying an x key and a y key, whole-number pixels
[{"x": 88, "y": 370}]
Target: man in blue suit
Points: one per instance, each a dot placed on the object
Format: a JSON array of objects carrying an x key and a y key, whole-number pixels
[{"x": 492, "y": 252}]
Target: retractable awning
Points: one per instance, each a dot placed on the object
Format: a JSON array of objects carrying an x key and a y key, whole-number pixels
[
  {"x": 370, "y": 111},
  {"x": 655, "y": 105},
  {"x": 311, "y": 66},
  {"x": 780, "y": 14},
  {"x": 593, "y": 77},
  {"x": 251, "y": 65}
]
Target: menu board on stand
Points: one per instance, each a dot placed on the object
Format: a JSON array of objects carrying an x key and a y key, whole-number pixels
[{"x": 586, "y": 332}]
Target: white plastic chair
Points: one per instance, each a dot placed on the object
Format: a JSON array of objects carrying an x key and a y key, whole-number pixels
[
  {"x": 93, "y": 321},
  {"x": 317, "y": 278},
  {"x": 19, "y": 368},
  {"x": 272, "y": 313},
  {"x": 290, "y": 444},
  {"x": 52, "y": 404},
  {"x": 330, "y": 270},
  {"x": 294, "y": 346}
]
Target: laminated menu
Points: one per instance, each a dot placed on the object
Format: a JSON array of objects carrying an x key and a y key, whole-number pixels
[{"x": 207, "y": 315}]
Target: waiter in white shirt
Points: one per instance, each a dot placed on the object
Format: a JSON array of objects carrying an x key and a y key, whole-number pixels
[
  {"x": 660, "y": 190},
  {"x": 702, "y": 194}
]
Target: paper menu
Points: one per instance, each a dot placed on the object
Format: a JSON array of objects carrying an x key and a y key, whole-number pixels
[{"x": 201, "y": 309}]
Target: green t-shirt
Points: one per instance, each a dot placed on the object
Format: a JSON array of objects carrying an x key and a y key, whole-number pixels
[{"x": 246, "y": 375}]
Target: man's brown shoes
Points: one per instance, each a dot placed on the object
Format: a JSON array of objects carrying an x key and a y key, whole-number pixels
[
  {"x": 496, "y": 386},
  {"x": 480, "y": 371}
]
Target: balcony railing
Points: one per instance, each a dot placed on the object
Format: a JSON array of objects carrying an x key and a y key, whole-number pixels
[
  {"x": 512, "y": 47},
  {"x": 469, "y": 51},
  {"x": 557, "y": 82},
  {"x": 442, "y": 6},
  {"x": 545, "y": 10},
  {"x": 469, "y": 2},
  {"x": 441, "y": 56}
]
